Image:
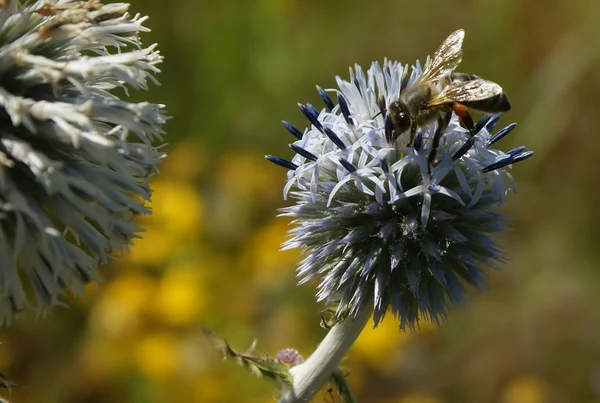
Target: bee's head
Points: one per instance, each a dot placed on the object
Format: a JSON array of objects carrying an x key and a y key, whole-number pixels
[{"x": 400, "y": 118}]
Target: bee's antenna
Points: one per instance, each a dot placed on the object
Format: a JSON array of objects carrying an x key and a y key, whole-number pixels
[{"x": 381, "y": 105}]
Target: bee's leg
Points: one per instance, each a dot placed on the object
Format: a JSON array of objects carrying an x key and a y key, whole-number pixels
[
  {"x": 466, "y": 121},
  {"x": 413, "y": 133},
  {"x": 441, "y": 128},
  {"x": 464, "y": 118}
]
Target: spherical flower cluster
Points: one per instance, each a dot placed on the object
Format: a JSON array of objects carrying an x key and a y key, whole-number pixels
[
  {"x": 75, "y": 160},
  {"x": 377, "y": 222}
]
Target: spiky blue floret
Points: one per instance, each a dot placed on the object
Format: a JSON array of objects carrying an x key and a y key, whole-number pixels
[
  {"x": 376, "y": 224},
  {"x": 290, "y": 127},
  {"x": 325, "y": 97}
]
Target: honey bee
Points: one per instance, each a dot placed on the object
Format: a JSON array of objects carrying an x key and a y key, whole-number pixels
[{"x": 424, "y": 101}]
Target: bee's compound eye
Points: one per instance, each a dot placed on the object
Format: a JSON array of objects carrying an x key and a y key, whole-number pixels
[{"x": 403, "y": 122}]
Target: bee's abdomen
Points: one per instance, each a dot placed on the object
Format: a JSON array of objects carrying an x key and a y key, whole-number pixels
[
  {"x": 497, "y": 103},
  {"x": 458, "y": 78}
]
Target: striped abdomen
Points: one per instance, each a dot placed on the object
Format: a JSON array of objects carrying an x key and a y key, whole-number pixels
[{"x": 496, "y": 103}]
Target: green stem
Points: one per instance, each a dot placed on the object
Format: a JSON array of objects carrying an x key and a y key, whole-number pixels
[
  {"x": 341, "y": 383},
  {"x": 312, "y": 374}
]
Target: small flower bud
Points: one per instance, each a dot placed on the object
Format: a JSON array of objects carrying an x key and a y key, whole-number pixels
[{"x": 289, "y": 356}]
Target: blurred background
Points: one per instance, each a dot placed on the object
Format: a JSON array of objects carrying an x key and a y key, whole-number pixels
[{"x": 233, "y": 70}]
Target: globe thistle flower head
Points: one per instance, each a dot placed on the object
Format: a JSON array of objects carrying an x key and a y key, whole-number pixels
[
  {"x": 75, "y": 160},
  {"x": 380, "y": 224}
]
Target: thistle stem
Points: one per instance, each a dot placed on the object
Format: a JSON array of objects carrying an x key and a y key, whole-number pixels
[
  {"x": 310, "y": 376},
  {"x": 343, "y": 387}
]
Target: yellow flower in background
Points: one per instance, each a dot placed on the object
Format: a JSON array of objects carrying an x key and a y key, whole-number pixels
[
  {"x": 211, "y": 387},
  {"x": 178, "y": 207},
  {"x": 263, "y": 256},
  {"x": 151, "y": 249},
  {"x": 181, "y": 294},
  {"x": 378, "y": 346},
  {"x": 177, "y": 215},
  {"x": 157, "y": 355},
  {"x": 101, "y": 357},
  {"x": 121, "y": 306},
  {"x": 246, "y": 176},
  {"x": 243, "y": 188},
  {"x": 527, "y": 389},
  {"x": 185, "y": 163}
]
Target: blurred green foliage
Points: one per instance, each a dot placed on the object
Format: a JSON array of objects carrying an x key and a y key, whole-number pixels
[{"x": 210, "y": 257}]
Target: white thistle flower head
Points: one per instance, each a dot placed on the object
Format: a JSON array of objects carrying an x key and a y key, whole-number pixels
[
  {"x": 75, "y": 160},
  {"x": 377, "y": 223}
]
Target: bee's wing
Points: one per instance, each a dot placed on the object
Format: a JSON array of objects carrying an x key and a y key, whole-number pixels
[
  {"x": 445, "y": 59},
  {"x": 470, "y": 91}
]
